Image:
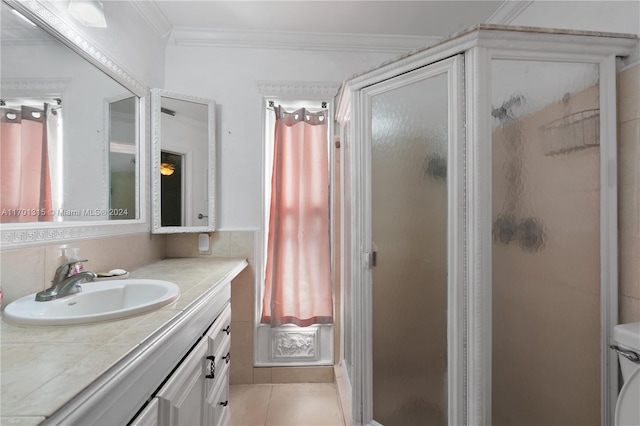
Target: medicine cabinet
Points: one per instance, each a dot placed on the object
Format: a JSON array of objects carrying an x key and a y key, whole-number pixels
[{"x": 183, "y": 167}]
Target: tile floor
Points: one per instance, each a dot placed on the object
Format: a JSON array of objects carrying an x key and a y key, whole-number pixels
[{"x": 296, "y": 404}]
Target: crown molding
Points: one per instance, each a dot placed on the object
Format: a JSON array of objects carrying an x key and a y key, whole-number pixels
[
  {"x": 298, "y": 40},
  {"x": 153, "y": 16},
  {"x": 508, "y": 11}
]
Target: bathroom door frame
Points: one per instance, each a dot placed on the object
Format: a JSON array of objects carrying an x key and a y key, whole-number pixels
[{"x": 361, "y": 255}]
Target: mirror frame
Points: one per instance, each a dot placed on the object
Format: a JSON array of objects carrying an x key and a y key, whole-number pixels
[
  {"x": 15, "y": 236},
  {"x": 156, "y": 147}
]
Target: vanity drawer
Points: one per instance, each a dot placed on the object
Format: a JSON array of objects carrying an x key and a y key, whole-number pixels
[
  {"x": 220, "y": 371},
  {"x": 220, "y": 332}
]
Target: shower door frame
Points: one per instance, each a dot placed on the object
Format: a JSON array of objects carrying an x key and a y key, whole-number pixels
[
  {"x": 362, "y": 251},
  {"x": 544, "y": 48},
  {"x": 469, "y": 393}
]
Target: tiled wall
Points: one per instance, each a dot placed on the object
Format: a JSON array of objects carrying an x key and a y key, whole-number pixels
[
  {"x": 230, "y": 244},
  {"x": 629, "y": 194},
  {"x": 31, "y": 270},
  {"x": 546, "y": 295}
]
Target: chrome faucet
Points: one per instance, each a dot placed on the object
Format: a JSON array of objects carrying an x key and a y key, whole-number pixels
[{"x": 64, "y": 284}]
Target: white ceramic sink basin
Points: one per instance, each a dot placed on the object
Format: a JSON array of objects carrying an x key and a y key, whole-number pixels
[{"x": 98, "y": 301}]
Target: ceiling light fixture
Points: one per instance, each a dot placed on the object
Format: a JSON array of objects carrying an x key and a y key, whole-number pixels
[
  {"x": 89, "y": 13},
  {"x": 167, "y": 169}
]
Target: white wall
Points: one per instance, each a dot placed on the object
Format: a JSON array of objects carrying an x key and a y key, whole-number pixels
[{"x": 229, "y": 75}]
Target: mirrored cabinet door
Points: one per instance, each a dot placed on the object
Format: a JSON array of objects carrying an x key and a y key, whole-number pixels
[{"x": 183, "y": 168}]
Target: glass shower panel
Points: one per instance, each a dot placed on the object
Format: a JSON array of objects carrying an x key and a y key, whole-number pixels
[
  {"x": 546, "y": 243},
  {"x": 409, "y": 129}
]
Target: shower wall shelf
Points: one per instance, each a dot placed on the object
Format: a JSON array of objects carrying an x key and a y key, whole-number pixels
[
  {"x": 582, "y": 128},
  {"x": 469, "y": 72}
]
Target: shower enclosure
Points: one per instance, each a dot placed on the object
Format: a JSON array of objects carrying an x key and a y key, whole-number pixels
[{"x": 480, "y": 232}]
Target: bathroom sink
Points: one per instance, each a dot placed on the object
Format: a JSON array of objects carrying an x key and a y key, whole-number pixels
[{"x": 98, "y": 301}]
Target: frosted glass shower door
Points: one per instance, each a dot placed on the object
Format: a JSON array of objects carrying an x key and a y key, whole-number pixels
[
  {"x": 410, "y": 134},
  {"x": 546, "y": 254}
]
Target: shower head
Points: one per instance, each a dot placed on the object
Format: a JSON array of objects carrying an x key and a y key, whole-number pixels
[{"x": 504, "y": 111}]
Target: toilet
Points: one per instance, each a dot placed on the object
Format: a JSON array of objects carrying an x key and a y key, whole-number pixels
[{"x": 627, "y": 338}]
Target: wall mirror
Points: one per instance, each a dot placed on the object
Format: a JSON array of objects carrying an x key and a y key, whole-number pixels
[
  {"x": 71, "y": 134},
  {"x": 183, "y": 167}
]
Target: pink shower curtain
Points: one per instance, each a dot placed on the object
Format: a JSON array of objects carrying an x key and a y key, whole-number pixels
[
  {"x": 25, "y": 192},
  {"x": 298, "y": 272}
]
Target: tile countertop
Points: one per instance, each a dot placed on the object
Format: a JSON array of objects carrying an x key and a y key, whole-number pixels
[{"x": 44, "y": 367}]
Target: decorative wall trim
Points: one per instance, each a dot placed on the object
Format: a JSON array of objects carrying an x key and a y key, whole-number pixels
[
  {"x": 295, "y": 345},
  {"x": 46, "y": 233},
  {"x": 291, "y": 346},
  {"x": 26, "y": 86},
  {"x": 298, "y": 40},
  {"x": 299, "y": 90}
]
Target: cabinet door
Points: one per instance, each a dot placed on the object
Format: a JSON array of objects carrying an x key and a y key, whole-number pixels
[
  {"x": 148, "y": 416},
  {"x": 181, "y": 398}
]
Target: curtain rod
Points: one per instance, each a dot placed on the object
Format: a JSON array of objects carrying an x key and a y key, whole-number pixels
[{"x": 272, "y": 104}]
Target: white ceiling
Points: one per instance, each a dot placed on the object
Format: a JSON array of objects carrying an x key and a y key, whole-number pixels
[{"x": 402, "y": 18}]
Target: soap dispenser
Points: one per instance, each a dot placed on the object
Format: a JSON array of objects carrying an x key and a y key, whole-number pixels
[{"x": 72, "y": 256}]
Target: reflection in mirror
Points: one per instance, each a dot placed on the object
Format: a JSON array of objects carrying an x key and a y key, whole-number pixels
[
  {"x": 70, "y": 133},
  {"x": 122, "y": 157},
  {"x": 184, "y": 162},
  {"x": 171, "y": 189}
]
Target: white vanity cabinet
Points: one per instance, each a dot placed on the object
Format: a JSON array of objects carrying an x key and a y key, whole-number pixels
[
  {"x": 148, "y": 416},
  {"x": 197, "y": 392},
  {"x": 177, "y": 375},
  {"x": 181, "y": 400}
]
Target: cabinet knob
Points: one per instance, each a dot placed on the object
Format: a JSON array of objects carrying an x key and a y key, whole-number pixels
[
  {"x": 224, "y": 403},
  {"x": 227, "y": 358},
  {"x": 227, "y": 329},
  {"x": 212, "y": 367}
]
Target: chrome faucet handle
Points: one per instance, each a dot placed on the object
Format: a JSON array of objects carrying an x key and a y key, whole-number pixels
[
  {"x": 62, "y": 271},
  {"x": 64, "y": 285}
]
